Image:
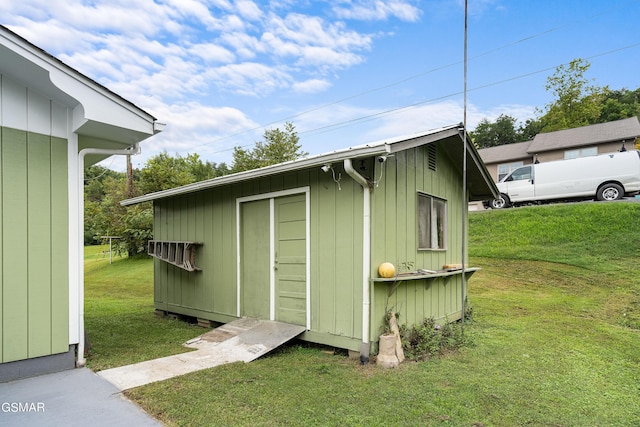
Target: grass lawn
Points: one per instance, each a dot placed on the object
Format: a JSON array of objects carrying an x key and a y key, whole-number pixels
[
  {"x": 555, "y": 340},
  {"x": 119, "y": 315}
]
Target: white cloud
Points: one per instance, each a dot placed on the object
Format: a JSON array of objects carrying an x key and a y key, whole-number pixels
[
  {"x": 378, "y": 10},
  {"x": 327, "y": 58},
  {"x": 431, "y": 116},
  {"x": 248, "y": 10},
  {"x": 196, "y": 128},
  {"x": 311, "y": 86},
  {"x": 312, "y": 30},
  {"x": 212, "y": 53},
  {"x": 249, "y": 78},
  {"x": 171, "y": 57},
  {"x": 245, "y": 45}
]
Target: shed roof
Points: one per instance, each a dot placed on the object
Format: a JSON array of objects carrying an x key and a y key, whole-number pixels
[
  {"x": 480, "y": 183},
  {"x": 501, "y": 153},
  {"x": 618, "y": 130}
]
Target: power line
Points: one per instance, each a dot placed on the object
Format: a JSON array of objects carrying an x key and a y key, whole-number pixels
[
  {"x": 485, "y": 86},
  {"x": 415, "y": 76}
]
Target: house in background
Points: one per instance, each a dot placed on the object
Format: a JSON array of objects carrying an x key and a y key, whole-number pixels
[
  {"x": 301, "y": 242},
  {"x": 54, "y": 121},
  {"x": 564, "y": 144}
]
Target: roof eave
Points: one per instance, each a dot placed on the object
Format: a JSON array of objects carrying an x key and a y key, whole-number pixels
[{"x": 291, "y": 166}]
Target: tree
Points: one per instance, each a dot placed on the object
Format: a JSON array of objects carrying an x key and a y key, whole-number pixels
[
  {"x": 162, "y": 172},
  {"x": 502, "y": 131},
  {"x": 530, "y": 129},
  {"x": 104, "y": 189},
  {"x": 577, "y": 102},
  {"x": 620, "y": 104},
  {"x": 277, "y": 146}
]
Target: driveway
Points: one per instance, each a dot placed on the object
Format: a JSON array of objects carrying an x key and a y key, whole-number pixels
[{"x": 77, "y": 397}]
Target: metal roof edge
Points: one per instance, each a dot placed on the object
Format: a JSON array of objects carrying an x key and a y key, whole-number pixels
[
  {"x": 371, "y": 149},
  {"x": 294, "y": 165}
]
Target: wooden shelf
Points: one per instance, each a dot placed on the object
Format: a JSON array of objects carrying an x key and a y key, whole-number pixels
[
  {"x": 423, "y": 276},
  {"x": 179, "y": 253}
]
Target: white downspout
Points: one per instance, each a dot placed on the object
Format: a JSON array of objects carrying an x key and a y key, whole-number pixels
[
  {"x": 80, "y": 360},
  {"x": 366, "y": 257}
]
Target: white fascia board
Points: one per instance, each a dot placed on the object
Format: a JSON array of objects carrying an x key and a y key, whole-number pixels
[{"x": 99, "y": 104}]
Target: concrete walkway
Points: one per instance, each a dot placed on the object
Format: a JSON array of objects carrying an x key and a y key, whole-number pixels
[
  {"x": 80, "y": 397},
  {"x": 242, "y": 340},
  {"x": 76, "y": 397}
]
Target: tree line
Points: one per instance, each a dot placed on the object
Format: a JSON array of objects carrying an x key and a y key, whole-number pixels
[
  {"x": 105, "y": 188},
  {"x": 577, "y": 102}
]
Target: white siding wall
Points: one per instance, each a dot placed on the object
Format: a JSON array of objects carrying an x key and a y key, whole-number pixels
[{"x": 24, "y": 109}]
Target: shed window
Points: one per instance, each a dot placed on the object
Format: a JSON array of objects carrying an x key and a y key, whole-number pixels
[{"x": 432, "y": 223}]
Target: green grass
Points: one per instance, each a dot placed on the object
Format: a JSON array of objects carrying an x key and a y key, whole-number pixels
[
  {"x": 594, "y": 236},
  {"x": 555, "y": 342},
  {"x": 119, "y": 315}
]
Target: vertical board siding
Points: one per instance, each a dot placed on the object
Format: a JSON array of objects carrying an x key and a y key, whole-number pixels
[
  {"x": 394, "y": 236},
  {"x": 34, "y": 235},
  {"x": 59, "y": 219},
  {"x": 15, "y": 250},
  {"x": 210, "y": 217},
  {"x": 39, "y": 244},
  {"x": 336, "y": 225}
]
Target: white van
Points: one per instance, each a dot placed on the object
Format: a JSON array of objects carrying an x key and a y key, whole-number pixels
[{"x": 605, "y": 177}]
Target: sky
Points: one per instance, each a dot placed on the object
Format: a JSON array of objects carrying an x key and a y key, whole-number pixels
[{"x": 219, "y": 73}]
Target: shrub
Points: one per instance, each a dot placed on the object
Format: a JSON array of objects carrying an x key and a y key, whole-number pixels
[{"x": 428, "y": 339}]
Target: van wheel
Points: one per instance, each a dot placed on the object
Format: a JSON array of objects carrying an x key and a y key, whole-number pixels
[
  {"x": 610, "y": 192},
  {"x": 500, "y": 203}
]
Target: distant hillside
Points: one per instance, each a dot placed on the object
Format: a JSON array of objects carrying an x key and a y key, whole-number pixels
[{"x": 590, "y": 235}]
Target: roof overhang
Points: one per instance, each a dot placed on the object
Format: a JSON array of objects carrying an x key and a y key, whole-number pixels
[
  {"x": 480, "y": 184},
  {"x": 100, "y": 117}
]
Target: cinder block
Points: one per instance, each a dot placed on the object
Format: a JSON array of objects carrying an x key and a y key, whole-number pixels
[{"x": 204, "y": 323}]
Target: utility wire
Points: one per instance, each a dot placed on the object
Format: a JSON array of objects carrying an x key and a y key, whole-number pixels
[
  {"x": 415, "y": 76},
  {"x": 487, "y": 85}
]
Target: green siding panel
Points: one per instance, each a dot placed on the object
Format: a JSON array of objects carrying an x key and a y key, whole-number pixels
[
  {"x": 34, "y": 256},
  {"x": 15, "y": 252},
  {"x": 59, "y": 245},
  {"x": 39, "y": 241}
]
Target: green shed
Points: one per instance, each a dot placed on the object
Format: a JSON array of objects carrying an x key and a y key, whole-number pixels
[
  {"x": 54, "y": 121},
  {"x": 301, "y": 242}
]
